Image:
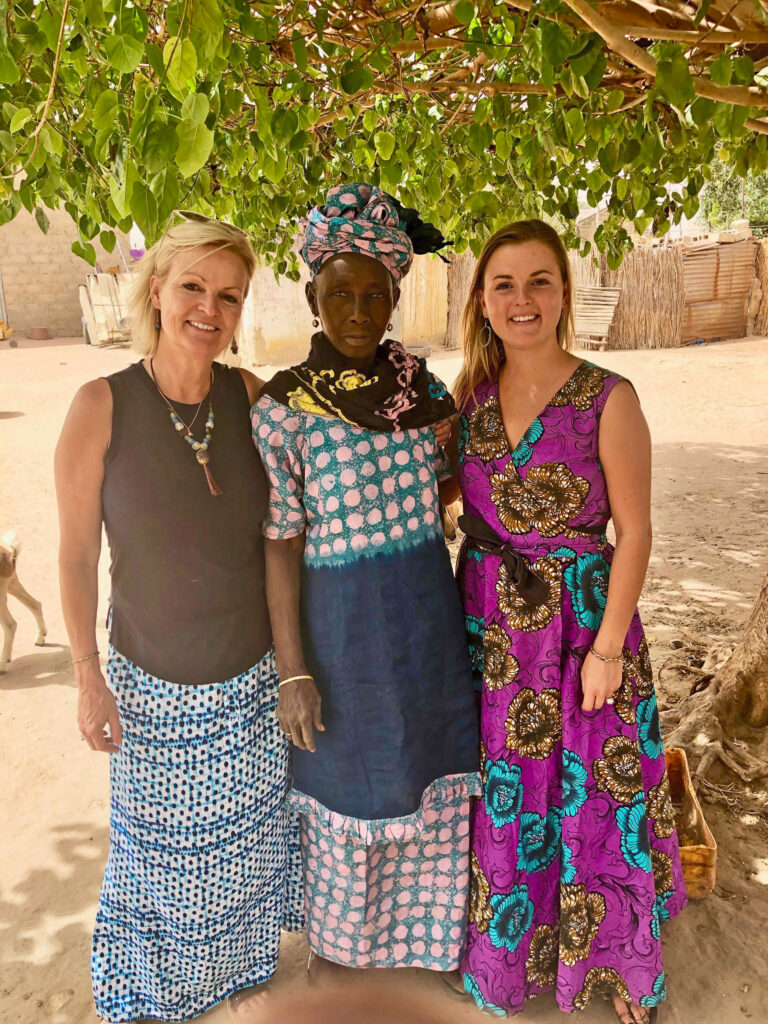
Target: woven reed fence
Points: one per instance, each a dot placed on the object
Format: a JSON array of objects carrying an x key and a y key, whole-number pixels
[
  {"x": 651, "y": 308},
  {"x": 757, "y": 323}
]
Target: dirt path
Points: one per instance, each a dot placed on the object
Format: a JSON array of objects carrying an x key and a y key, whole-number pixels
[{"x": 708, "y": 414}]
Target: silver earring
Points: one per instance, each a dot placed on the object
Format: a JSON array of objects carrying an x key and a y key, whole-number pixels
[
  {"x": 488, "y": 334},
  {"x": 157, "y": 320},
  {"x": 315, "y": 322}
]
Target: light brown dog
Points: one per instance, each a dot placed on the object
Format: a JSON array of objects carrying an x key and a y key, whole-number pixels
[{"x": 9, "y": 584}]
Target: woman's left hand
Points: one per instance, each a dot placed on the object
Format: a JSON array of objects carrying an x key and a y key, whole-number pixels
[
  {"x": 443, "y": 431},
  {"x": 599, "y": 681}
]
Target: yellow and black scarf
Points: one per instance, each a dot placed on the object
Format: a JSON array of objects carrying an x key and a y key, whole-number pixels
[{"x": 396, "y": 392}]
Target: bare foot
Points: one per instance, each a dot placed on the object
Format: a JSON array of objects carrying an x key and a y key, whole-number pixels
[{"x": 631, "y": 1013}]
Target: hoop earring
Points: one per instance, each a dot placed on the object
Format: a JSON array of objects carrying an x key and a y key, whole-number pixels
[
  {"x": 488, "y": 333},
  {"x": 157, "y": 320},
  {"x": 389, "y": 326},
  {"x": 234, "y": 347},
  {"x": 315, "y": 322}
]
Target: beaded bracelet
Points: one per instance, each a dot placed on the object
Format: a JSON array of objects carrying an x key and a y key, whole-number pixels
[
  {"x": 86, "y": 657},
  {"x": 601, "y": 657},
  {"x": 292, "y": 679}
]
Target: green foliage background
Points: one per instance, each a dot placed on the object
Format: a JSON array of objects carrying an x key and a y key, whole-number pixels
[{"x": 124, "y": 111}]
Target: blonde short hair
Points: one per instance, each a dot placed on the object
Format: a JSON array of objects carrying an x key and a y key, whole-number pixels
[
  {"x": 483, "y": 361},
  {"x": 182, "y": 237}
]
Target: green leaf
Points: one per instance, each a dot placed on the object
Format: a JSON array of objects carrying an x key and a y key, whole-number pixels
[
  {"x": 9, "y": 69},
  {"x": 195, "y": 145},
  {"x": 503, "y": 143},
  {"x": 370, "y": 120},
  {"x": 574, "y": 119},
  {"x": 674, "y": 82},
  {"x": 165, "y": 189},
  {"x": 721, "y": 70},
  {"x": 285, "y": 123},
  {"x": 195, "y": 108},
  {"x": 702, "y": 110},
  {"x": 355, "y": 77},
  {"x": 123, "y": 53},
  {"x": 274, "y": 168},
  {"x": 479, "y": 138},
  {"x": 42, "y": 220},
  {"x": 94, "y": 11},
  {"x": 743, "y": 70},
  {"x": 108, "y": 240},
  {"x": 85, "y": 251},
  {"x": 704, "y": 6},
  {"x": 614, "y": 100},
  {"x": 385, "y": 144},
  {"x": 144, "y": 209},
  {"x": 556, "y": 43},
  {"x": 19, "y": 119},
  {"x": 729, "y": 120},
  {"x": 105, "y": 109},
  {"x": 52, "y": 141},
  {"x": 180, "y": 58},
  {"x": 464, "y": 12},
  {"x": 160, "y": 145}
]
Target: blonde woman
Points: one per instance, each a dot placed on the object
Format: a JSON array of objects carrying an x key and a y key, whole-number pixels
[
  {"x": 575, "y": 860},
  {"x": 203, "y": 869}
]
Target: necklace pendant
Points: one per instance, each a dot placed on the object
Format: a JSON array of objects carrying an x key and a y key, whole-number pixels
[{"x": 202, "y": 456}]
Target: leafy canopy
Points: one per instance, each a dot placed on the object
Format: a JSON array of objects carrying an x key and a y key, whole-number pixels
[{"x": 476, "y": 114}]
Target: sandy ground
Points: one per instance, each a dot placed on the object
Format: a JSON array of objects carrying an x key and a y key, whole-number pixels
[{"x": 708, "y": 414}]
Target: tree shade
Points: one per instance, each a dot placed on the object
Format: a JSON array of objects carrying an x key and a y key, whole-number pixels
[{"x": 473, "y": 113}]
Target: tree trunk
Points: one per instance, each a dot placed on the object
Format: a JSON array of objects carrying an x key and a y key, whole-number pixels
[
  {"x": 459, "y": 280},
  {"x": 736, "y": 701}
]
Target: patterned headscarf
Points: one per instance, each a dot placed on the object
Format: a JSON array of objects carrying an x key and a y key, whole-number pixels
[{"x": 361, "y": 218}]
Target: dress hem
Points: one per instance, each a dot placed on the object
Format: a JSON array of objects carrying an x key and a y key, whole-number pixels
[{"x": 376, "y": 830}]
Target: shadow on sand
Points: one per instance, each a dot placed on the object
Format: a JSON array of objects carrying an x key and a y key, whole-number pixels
[{"x": 45, "y": 937}]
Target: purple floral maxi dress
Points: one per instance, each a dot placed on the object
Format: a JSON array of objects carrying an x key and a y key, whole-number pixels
[{"x": 575, "y": 861}]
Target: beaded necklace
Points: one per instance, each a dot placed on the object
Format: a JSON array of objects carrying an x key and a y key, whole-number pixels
[{"x": 200, "y": 448}]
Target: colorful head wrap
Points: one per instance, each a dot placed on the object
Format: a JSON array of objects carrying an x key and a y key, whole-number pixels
[{"x": 363, "y": 219}]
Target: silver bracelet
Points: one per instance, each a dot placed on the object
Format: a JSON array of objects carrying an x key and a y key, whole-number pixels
[
  {"x": 86, "y": 657},
  {"x": 601, "y": 657}
]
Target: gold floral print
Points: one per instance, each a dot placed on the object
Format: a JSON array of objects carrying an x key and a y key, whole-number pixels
[
  {"x": 581, "y": 914},
  {"x": 500, "y": 667},
  {"x": 483, "y": 759},
  {"x": 548, "y": 498},
  {"x": 541, "y": 965},
  {"x": 480, "y": 910},
  {"x": 624, "y": 703},
  {"x": 534, "y": 723},
  {"x": 487, "y": 438},
  {"x": 660, "y": 809},
  {"x": 638, "y": 668},
  {"x": 662, "y": 871},
  {"x": 618, "y": 770},
  {"x": 582, "y": 388},
  {"x": 530, "y": 617},
  {"x": 601, "y": 980}
]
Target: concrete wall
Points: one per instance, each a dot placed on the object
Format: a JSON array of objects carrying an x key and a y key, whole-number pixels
[
  {"x": 41, "y": 274},
  {"x": 277, "y": 323}
]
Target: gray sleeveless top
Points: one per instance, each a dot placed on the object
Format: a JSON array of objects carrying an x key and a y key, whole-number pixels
[{"x": 188, "y": 602}]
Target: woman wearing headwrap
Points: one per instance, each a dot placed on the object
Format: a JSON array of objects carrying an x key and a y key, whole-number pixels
[{"x": 366, "y": 617}]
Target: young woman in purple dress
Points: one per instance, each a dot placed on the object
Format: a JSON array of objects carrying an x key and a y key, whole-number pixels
[{"x": 575, "y": 860}]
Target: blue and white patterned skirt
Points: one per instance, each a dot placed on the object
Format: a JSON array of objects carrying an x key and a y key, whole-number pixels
[{"x": 204, "y": 865}]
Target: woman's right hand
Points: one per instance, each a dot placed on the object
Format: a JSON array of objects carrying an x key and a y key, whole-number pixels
[
  {"x": 97, "y": 715},
  {"x": 298, "y": 712}
]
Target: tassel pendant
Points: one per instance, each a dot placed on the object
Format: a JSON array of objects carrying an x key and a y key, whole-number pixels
[{"x": 213, "y": 487}]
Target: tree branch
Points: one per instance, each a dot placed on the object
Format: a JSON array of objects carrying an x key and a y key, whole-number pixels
[{"x": 740, "y": 95}]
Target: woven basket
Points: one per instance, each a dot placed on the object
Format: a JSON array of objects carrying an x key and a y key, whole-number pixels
[{"x": 699, "y": 858}]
